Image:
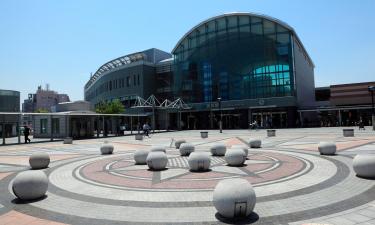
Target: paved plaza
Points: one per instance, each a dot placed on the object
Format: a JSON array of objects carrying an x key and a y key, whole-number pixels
[{"x": 293, "y": 183}]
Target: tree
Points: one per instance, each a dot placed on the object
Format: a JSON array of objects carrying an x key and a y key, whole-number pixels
[
  {"x": 41, "y": 110},
  {"x": 114, "y": 107}
]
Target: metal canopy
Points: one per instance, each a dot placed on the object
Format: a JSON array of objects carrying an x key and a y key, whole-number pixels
[{"x": 153, "y": 102}]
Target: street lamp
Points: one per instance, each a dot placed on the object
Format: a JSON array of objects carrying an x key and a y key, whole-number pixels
[
  {"x": 372, "y": 89},
  {"x": 221, "y": 116}
]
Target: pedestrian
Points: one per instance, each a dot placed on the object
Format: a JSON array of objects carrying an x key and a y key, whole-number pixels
[
  {"x": 361, "y": 125},
  {"x": 26, "y": 133},
  {"x": 146, "y": 129}
]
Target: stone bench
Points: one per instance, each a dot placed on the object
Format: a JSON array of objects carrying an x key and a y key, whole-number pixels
[{"x": 348, "y": 132}]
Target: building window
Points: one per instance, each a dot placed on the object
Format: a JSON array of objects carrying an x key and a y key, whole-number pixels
[
  {"x": 56, "y": 125},
  {"x": 127, "y": 81},
  {"x": 134, "y": 81},
  {"x": 43, "y": 126},
  {"x": 138, "y": 79}
]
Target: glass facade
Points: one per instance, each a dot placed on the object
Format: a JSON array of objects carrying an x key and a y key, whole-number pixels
[{"x": 234, "y": 57}]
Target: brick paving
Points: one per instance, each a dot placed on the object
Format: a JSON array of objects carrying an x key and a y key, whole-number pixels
[{"x": 293, "y": 183}]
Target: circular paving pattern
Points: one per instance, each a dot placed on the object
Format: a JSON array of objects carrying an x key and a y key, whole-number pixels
[{"x": 289, "y": 186}]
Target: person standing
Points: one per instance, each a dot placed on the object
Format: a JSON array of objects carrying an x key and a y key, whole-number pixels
[{"x": 26, "y": 133}]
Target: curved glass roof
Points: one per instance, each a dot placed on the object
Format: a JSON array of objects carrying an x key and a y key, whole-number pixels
[
  {"x": 203, "y": 23},
  {"x": 123, "y": 60}
]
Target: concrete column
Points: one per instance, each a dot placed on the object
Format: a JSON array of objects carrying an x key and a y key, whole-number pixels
[
  {"x": 340, "y": 120},
  {"x": 131, "y": 125},
  {"x": 18, "y": 129},
  {"x": 51, "y": 127},
  {"x": 301, "y": 119}
]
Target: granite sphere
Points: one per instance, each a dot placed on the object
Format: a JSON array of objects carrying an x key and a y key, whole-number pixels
[
  {"x": 39, "y": 160},
  {"x": 234, "y": 198},
  {"x": 30, "y": 185}
]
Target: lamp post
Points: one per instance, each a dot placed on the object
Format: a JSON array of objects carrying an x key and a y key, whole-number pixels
[
  {"x": 372, "y": 89},
  {"x": 221, "y": 116}
]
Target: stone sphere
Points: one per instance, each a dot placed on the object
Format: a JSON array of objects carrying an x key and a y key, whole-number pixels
[
  {"x": 364, "y": 165},
  {"x": 158, "y": 149},
  {"x": 235, "y": 157},
  {"x": 243, "y": 147},
  {"x": 186, "y": 149},
  {"x": 177, "y": 143},
  {"x": 39, "y": 161},
  {"x": 199, "y": 161},
  {"x": 255, "y": 143},
  {"x": 234, "y": 198},
  {"x": 157, "y": 160},
  {"x": 218, "y": 150},
  {"x": 327, "y": 148},
  {"x": 30, "y": 185},
  {"x": 140, "y": 156},
  {"x": 106, "y": 149}
]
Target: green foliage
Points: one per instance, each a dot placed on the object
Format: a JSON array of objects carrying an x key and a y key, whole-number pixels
[
  {"x": 41, "y": 110},
  {"x": 114, "y": 107}
]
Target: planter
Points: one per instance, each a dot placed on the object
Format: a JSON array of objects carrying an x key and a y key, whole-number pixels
[
  {"x": 68, "y": 140},
  {"x": 204, "y": 134},
  {"x": 348, "y": 132},
  {"x": 271, "y": 133},
  {"x": 139, "y": 137}
]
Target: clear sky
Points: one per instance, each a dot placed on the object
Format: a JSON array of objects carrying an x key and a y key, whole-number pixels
[{"x": 61, "y": 42}]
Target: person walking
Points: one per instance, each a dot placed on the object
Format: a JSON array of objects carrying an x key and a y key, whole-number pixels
[
  {"x": 146, "y": 129},
  {"x": 26, "y": 133}
]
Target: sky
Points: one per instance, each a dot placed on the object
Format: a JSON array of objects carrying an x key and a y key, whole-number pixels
[{"x": 61, "y": 42}]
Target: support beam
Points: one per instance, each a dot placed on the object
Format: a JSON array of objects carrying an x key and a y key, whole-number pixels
[
  {"x": 51, "y": 127},
  {"x": 18, "y": 129}
]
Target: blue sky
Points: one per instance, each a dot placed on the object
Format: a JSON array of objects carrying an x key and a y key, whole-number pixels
[{"x": 61, "y": 42}]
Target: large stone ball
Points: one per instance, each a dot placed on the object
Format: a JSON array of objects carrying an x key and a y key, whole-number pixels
[
  {"x": 243, "y": 147},
  {"x": 218, "y": 149},
  {"x": 255, "y": 143},
  {"x": 234, "y": 198},
  {"x": 327, "y": 148},
  {"x": 364, "y": 165},
  {"x": 106, "y": 149},
  {"x": 177, "y": 143},
  {"x": 158, "y": 149},
  {"x": 235, "y": 157},
  {"x": 39, "y": 160},
  {"x": 30, "y": 185},
  {"x": 140, "y": 156},
  {"x": 186, "y": 149},
  {"x": 157, "y": 160},
  {"x": 199, "y": 161}
]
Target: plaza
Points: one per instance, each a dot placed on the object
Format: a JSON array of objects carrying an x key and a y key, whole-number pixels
[{"x": 293, "y": 183}]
